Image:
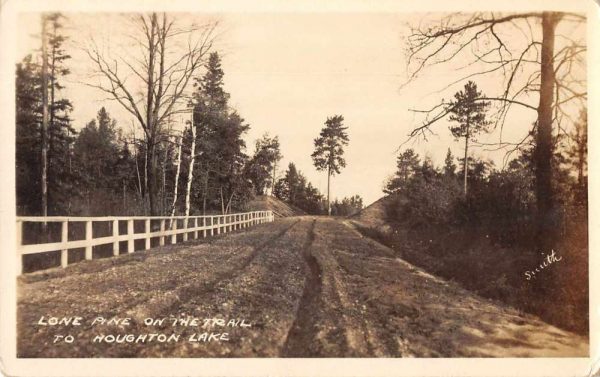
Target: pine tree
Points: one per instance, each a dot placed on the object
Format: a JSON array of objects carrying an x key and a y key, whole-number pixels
[
  {"x": 221, "y": 158},
  {"x": 407, "y": 165},
  {"x": 469, "y": 111},
  {"x": 261, "y": 167},
  {"x": 44, "y": 132},
  {"x": 28, "y": 138},
  {"x": 96, "y": 153},
  {"x": 449, "y": 165},
  {"x": 60, "y": 131},
  {"x": 329, "y": 150}
]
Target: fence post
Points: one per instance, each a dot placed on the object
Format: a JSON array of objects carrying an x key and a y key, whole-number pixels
[
  {"x": 147, "y": 230},
  {"x": 64, "y": 238},
  {"x": 218, "y": 224},
  {"x": 19, "y": 243},
  {"x": 195, "y": 228},
  {"x": 88, "y": 239},
  {"x": 161, "y": 239},
  {"x": 130, "y": 243},
  {"x": 204, "y": 226},
  {"x": 174, "y": 227},
  {"x": 212, "y": 226},
  {"x": 115, "y": 232},
  {"x": 186, "y": 224}
]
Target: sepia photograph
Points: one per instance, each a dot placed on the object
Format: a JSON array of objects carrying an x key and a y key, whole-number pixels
[{"x": 289, "y": 184}]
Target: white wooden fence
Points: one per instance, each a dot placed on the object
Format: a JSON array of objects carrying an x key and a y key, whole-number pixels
[{"x": 196, "y": 226}]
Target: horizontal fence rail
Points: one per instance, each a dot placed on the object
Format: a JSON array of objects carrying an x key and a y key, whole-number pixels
[{"x": 168, "y": 229}]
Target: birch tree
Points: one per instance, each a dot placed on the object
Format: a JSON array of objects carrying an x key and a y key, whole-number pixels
[
  {"x": 191, "y": 167},
  {"x": 176, "y": 183}
]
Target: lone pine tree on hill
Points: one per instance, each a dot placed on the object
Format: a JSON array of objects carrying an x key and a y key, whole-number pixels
[
  {"x": 469, "y": 111},
  {"x": 329, "y": 150}
]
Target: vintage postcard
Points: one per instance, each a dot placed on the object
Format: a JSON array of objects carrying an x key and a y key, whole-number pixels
[{"x": 299, "y": 188}]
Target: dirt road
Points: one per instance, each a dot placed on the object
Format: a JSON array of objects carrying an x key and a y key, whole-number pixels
[{"x": 299, "y": 287}]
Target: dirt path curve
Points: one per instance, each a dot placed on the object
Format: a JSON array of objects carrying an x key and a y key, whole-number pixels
[{"x": 299, "y": 287}]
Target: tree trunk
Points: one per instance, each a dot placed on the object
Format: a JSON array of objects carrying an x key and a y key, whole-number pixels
[
  {"x": 205, "y": 192},
  {"x": 466, "y": 161},
  {"x": 228, "y": 208},
  {"x": 543, "y": 151},
  {"x": 273, "y": 179},
  {"x": 163, "y": 197},
  {"x": 191, "y": 170},
  {"x": 146, "y": 168},
  {"x": 44, "y": 130},
  {"x": 328, "y": 191},
  {"x": 153, "y": 180},
  {"x": 222, "y": 200},
  {"x": 137, "y": 169},
  {"x": 176, "y": 179},
  {"x": 124, "y": 195}
]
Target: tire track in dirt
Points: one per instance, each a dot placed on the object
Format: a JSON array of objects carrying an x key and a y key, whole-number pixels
[
  {"x": 303, "y": 331},
  {"x": 168, "y": 301},
  {"x": 154, "y": 306},
  {"x": 266, "y": 294}
]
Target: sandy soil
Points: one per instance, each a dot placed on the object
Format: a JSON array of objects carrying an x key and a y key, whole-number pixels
[{"x": 304, "y": 287}]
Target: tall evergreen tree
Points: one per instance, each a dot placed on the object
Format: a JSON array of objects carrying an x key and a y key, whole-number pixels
[
  {"x": 294, "y": 189},
  {"x": 96, "y": 153},
  {"x": 469, "y": 111},
  {"x": 407, "y": 165},
  {"x": 449, "y": 165},
  {"x": 60, "y": 131},
  {"x": 329, "y": 150},
  {"x": 221, "y": 158},
  {"x": 44, "y": 132},
  {"x": 28, "y": 137},
  {"x": 261, "y": 167}
]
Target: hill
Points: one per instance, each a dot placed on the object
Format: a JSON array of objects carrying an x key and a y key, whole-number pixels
[
  {"x": 279, "y": 208},
  {"x": 373, "y": 216}
]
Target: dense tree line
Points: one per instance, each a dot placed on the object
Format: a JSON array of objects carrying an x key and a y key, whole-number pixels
[
  {"x": 189, "y": 160},
  {"x": 46, "y": 183},
  {"x": 347, "y": 206},
  {"x": 502, "y": 201},
  {"x": 295, "y": 189},
  {"x": 103, "y": 170}
]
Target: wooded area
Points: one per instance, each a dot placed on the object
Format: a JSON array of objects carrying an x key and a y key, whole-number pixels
[
  {"x": 184, "y": 152},
  {"x": 489, "y": 220}
]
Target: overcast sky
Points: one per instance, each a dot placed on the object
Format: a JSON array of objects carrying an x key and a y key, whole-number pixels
[{"x": 287, "y": 72}]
